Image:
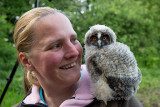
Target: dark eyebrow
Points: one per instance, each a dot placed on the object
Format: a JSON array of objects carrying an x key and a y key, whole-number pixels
[{"x": 50, "y": 43}]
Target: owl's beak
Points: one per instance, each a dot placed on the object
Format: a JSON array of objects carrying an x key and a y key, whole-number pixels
[{"x": 99, "y": 44}]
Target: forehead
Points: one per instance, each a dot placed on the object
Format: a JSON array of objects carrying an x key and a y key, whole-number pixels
[
  {"x": 52, "y": 21},
  {"x": 52, "y": 26}
]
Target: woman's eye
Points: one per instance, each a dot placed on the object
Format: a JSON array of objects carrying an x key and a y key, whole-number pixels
[
  {"x": 73, "y": 40},
  {"x": 56, "y": 46}
]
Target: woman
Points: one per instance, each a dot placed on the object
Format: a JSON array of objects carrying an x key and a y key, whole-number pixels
[{"x": 48, "y": 49}]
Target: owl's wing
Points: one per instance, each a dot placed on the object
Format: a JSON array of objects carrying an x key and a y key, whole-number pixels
[
  {"x": 100, "y": 88},
  {"x": 92, "y": 65},
  {"x": 124, "y": 87},
  {"x": 117, "y": 60},
  {"x": 121, "y": 70}
]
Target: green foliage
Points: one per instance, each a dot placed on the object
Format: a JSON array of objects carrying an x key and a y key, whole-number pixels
[
  {"x": 6, "y": 27},
  {"x": 135, "y": 22},
  {"x": 149, "y": 93},
  {"x": 7, "y": 60},
  {"x": 15, "y": 91},
  {"x": 7, "y": 51}
]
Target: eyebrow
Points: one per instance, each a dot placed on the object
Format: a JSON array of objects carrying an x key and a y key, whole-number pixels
[{"x": 51, "y": 42}]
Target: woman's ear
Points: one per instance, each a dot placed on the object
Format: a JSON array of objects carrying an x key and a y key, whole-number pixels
[{"x": 26, "y": 61}]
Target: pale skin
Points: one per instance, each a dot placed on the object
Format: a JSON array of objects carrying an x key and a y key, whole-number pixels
[{"x": 55, "y": 58}]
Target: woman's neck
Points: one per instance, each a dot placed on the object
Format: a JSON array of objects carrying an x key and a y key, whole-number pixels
[{"x": 56, "y": 96}]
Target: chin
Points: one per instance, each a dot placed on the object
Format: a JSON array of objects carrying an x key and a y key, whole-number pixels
[{"x": 73, "y": 79}]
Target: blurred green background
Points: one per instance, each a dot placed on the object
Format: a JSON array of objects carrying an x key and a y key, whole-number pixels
[{"x": 135, "y": 22}]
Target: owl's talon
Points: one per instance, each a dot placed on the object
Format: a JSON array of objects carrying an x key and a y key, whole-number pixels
[{"x": 103, "y": 103}]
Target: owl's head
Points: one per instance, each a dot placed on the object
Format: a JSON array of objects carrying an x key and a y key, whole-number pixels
[{"x": 99, "y": 36}]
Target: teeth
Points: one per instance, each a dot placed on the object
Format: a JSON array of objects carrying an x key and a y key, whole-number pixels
[{"x": 68, "y": 66}]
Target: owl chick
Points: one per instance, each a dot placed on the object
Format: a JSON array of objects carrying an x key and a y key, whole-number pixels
[{"x": 112, "y": 66}]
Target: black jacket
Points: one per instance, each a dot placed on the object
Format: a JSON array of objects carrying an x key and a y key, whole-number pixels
[{"x": 133, "y": 102}]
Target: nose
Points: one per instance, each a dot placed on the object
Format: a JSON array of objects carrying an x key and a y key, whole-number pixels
[{"x": 71, "y": 50}]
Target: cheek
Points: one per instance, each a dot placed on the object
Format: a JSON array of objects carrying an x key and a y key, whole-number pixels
[
  {"x": 45, "y": 62},
  {"x": 52, "y": 60}
]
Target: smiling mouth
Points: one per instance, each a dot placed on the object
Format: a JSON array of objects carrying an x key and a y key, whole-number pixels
[{"x": 68, "y": 66}]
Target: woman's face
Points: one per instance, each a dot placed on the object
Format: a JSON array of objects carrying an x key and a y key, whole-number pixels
[{"x": 56, "y": 55}]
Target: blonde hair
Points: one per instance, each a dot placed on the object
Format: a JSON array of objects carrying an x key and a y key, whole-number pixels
[{"x": 24, "y": 38}]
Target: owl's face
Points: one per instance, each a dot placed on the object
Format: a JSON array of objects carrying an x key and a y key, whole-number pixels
[
  {"x": 99, "y": 36},
  {"x": 99, "y": 39}
]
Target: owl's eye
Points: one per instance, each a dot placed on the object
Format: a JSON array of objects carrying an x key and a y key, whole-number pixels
[
  {"x": 94, "y": 38},
  {"x": 104, "y": 38}
]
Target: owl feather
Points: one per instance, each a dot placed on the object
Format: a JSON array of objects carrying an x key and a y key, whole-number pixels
[{"x": 111, "y": 64}]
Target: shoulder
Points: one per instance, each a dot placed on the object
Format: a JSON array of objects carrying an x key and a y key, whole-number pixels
[
  {"x": 86, "y": 78},
  {"x": 133, "y": 102},
  {"x": 83, "y": 68},
  {"x": 85, "y": 74},
  {"x": 32, "y": 99},
  {"x": 21, "y": 104}
]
